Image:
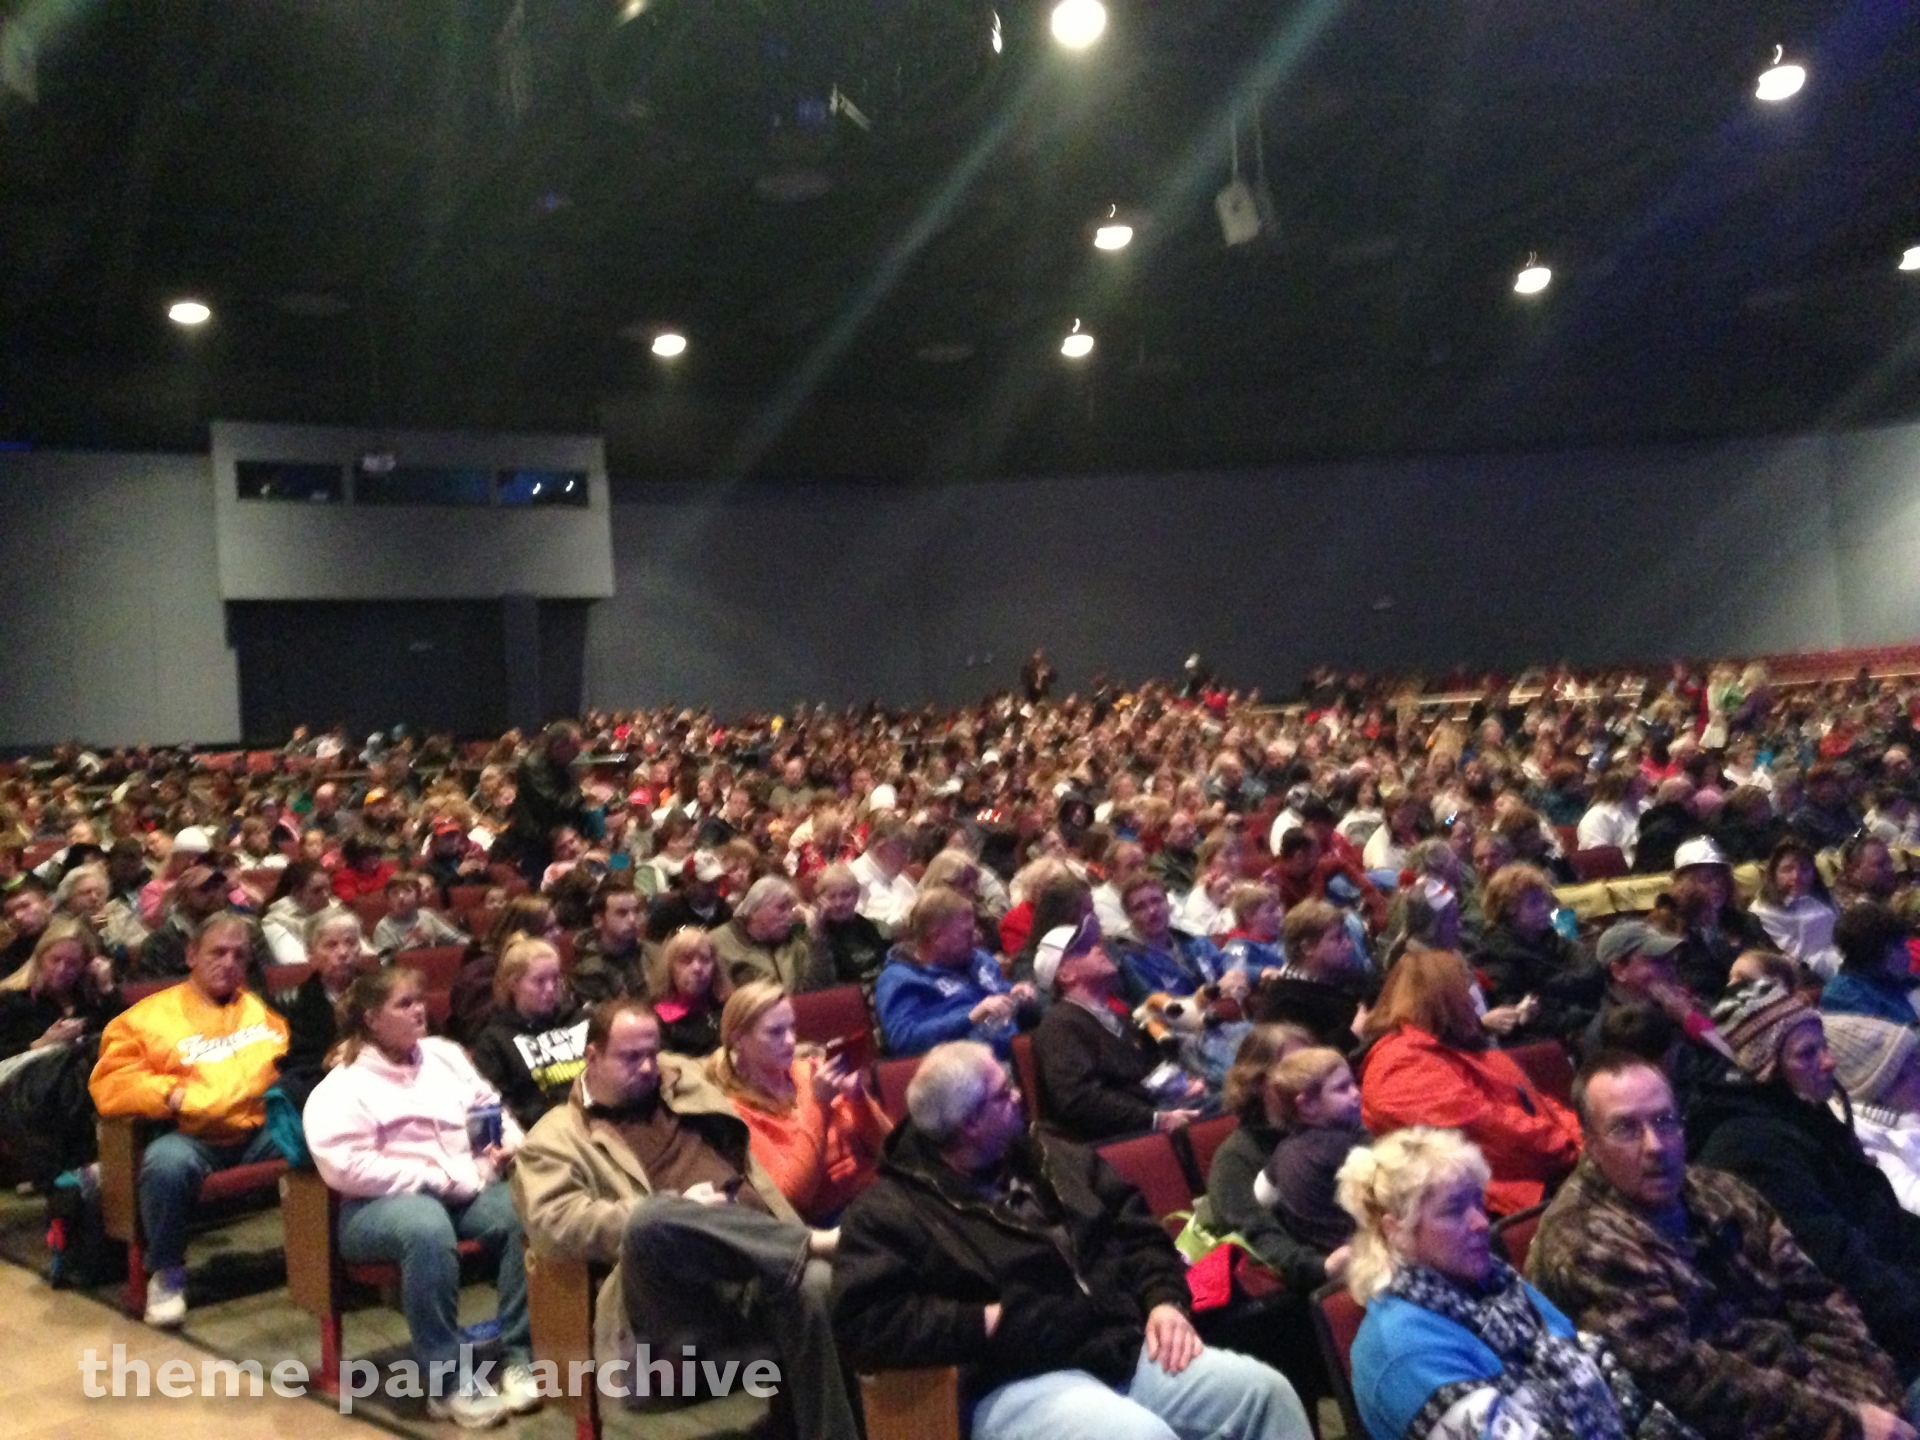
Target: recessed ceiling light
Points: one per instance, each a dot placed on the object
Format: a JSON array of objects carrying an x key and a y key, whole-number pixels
[
  {"x": 1078, "y": 343},
  {"x": 1911, "y": 259},
  {"x": 1779, "y": 82},
  {"x": 188, "y": 312},
  {"x": 669, "y": 343},
  {"x": 1534, "y": 278},
  {"x": 1078, "y": 23},
  {"x": 1112, "y": 233}
]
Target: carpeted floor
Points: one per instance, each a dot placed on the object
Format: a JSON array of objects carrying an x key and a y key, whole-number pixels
[
  {"x": 237, "y": 1291},
  {"x": 236, "y": 1288}
]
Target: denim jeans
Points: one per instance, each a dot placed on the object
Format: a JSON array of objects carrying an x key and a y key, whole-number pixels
[
  {"x": 691, "y": 1273},
  {"x": 1220, "y": 1394},
  {"x": 171, "y": 1170},
  {"x": 421, "y": 1233}
]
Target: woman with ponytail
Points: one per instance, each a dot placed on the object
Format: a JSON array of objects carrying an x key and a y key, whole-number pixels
[{"x": 410, "y": 1133}]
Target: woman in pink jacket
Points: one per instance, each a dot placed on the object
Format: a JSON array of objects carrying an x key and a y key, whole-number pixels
[{"x": 393, "y": 1127}]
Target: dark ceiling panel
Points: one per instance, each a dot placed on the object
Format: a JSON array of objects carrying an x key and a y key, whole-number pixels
[{"x": 472, "y": 212}]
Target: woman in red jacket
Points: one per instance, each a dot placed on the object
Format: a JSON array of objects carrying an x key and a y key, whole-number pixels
[{"x": 1428, "y": 1064}]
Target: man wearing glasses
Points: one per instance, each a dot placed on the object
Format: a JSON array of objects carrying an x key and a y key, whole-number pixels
[
  {"x": 1029, "y": 1263},
  {"x": 1696, "y": 1283}
]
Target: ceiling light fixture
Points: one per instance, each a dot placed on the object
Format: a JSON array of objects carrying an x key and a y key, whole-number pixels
[
  {"x": 1113, "y": 233},
  {"x": 189, "y": 313},
  {"x": 1078, "y": 23},
  {"x": 1078, "y": 344},
  {"x": 669, "y": 343},
  {"x": 994, "y": 37},
  {"x": 1533, "y": 278},
  {"x": 1779, "y": 82},
  {"x": 1911, "y": 259}
]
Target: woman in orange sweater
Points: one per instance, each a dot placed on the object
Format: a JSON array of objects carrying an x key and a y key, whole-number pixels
[{"x": 812, "y": 1123}]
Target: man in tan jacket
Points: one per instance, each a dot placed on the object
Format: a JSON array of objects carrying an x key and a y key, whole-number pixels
[{"x": 646, "y": 1169}]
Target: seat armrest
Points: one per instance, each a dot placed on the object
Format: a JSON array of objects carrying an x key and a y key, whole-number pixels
[
  {"x": 308, "y": 1212},
  {"x": 912, "y": 1404},
  {"x": 119, "y": 1175},
  {"x": 560, "y": 1301}
]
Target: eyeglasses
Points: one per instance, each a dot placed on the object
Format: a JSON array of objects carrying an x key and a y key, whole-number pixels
[{"x": 1627, "y": 1131}]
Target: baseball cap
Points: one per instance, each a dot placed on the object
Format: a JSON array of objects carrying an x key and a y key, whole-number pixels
[
  {"x": 1060, "y": 944},
  {"x": 1699, "y": 851},
  {"x": 192, "y": 841},
  {"x": 1635, "y": 937}
]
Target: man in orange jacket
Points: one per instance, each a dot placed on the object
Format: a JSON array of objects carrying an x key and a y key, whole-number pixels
[{"x": 201, "y": 1054}]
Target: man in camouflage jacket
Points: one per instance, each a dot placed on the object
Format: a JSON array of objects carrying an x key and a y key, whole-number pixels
[{"x": 1698, "y": 1286}]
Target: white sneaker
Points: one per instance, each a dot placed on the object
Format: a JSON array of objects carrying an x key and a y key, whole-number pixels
[
  {"x": 469, "y": 1411},
  {"x": 520, "y": 1390},
  {"x": 167, "y": 1297}
]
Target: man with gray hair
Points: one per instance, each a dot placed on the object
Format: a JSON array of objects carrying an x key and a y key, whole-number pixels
[
  {"x": 1026, "y": 1261},
  {"x": 768, "y": 939}
]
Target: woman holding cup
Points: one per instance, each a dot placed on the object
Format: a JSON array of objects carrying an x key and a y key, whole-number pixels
[{"x": 393, "y": 1128}]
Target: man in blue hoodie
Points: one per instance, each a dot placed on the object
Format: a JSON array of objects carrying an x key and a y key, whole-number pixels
[{"x": 937, "y": 985}]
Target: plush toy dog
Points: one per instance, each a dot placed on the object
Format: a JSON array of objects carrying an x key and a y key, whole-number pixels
[{"x": 1192, "y": 1033}]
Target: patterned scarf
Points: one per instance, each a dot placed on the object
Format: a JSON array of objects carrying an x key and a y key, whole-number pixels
[{"x": 1576, "y": 1388}]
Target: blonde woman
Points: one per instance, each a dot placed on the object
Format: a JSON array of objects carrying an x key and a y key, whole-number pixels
[
  {"x": 53, "y": 1009},
  {"x": 688, "y": 988},
  {"x": 534, "y": 1043},
  {"x": 814, "y": 1126},
  {"x": 1455, "y": 1345}
]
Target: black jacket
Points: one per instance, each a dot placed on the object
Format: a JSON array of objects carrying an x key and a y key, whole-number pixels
[
  {"x": 671, "y": 912},
  {"x": 1232, "y": 1210},
  {"x": 1550, "y": 966},
  {"x": 857, "y": 949},
  {"x": 545, "y": 797},
  {"x": 1324, "y": 1010},
  {"x": 922, "y": 1255},
  {"x": 1662, "y": 829},
  {"x": 1089, "y": 1078},
  {"x": 1741, "y": 842},
  {"x": 1807, "y": 1164},
  {"x": 532, "y": 1063},
  {"x": 25, "y": 1016},
  {"x": 312, "y": 1028},
  {"x": 1704, "y": 957}
]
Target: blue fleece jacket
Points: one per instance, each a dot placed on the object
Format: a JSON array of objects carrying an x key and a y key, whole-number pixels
[{"x": 920, "y": 1006}]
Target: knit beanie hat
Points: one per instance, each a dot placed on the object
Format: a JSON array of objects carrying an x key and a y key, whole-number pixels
[
  {"x": 1755, "y": 1019},
  {"x": 1870, "y": 1055}
]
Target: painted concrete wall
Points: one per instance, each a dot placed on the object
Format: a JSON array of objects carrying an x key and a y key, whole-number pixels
[{"x": 111, "y": 577}]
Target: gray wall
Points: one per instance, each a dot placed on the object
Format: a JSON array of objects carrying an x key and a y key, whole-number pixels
[
  {"x": 757, "y": 596},
  {"x": 760, "y": 595},
  {"x": 275, "y": 550},
  {"x": 110, "y": 616}
]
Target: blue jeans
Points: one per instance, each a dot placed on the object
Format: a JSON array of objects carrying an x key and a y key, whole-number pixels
[
  {"x": 171, "y": 1170},
  {"x": 421, "y": 1234},
  {"x": 1220, "y": 1394}
]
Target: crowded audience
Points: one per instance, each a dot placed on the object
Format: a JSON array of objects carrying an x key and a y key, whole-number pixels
[{"x": 1675, "y": 880}]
